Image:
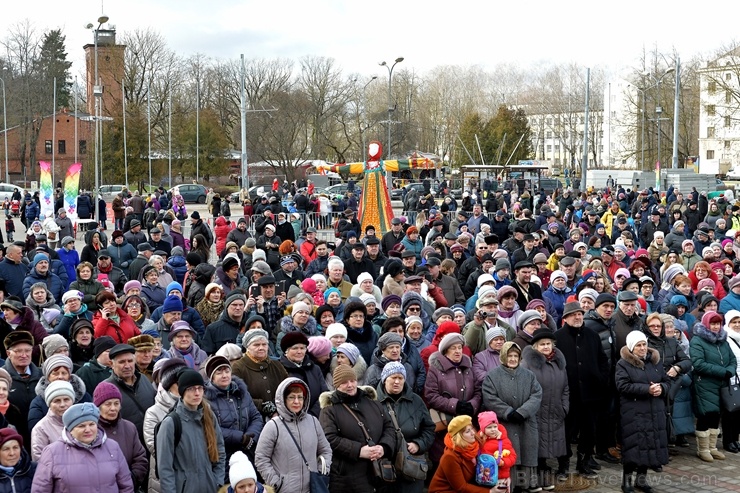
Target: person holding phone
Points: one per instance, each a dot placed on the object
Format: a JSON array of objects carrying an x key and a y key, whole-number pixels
[{"x": 267, "y": 304}]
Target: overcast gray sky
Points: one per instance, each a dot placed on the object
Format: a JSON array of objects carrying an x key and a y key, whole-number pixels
[{"x": 358, "y": 35}]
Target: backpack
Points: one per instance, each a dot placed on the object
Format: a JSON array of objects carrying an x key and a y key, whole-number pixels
[{"x": 178, "y": 434}]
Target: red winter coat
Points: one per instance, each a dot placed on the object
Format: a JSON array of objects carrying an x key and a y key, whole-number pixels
[
  {"x": 490, "y": 446},
  {"x": 719, "y": 290},
  {"x": 120, "y": 332},
  {"x": 221, "y": 230}
]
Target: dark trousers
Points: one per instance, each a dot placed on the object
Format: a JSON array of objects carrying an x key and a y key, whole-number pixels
[
  {"x": 707, "y": 421},
  {"x": 581, "y": 422},
  {"x": 730, "y": 428},
  {"x": 606, "y": 423}
]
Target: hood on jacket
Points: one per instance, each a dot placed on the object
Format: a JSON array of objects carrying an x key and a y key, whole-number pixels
[
  {"x": 287, "y": 325},
  {"x": 280, "y": 399},
  {"x": 330, "y": 398},
  {"x": 204, "y": 273},
  {"x": 703, "y": 331},
  {"x": 77, "y": 385},
  {"x": 637, "y": 362}
]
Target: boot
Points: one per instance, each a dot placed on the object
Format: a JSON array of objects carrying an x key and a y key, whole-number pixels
[
  {"x": 583, "y": 468},
  {"x": 563, "y": 465},
  {"x": 702, "y": 446},
  {"x": 713, "y": 434},
  {"x": 627, "y": 483},
  {"x": 641, "y": 483}
]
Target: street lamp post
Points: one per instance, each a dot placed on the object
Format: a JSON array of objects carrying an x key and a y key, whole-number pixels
[
  {"x": 5, "y": 131},
  {"x": 97, "y": 93},
  {"x": 674, "y": 163},
  {"x": 390, "y": 110}
]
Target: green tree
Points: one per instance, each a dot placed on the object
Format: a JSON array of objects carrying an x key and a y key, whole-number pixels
[
  {"x": 517, "y": 145},
  {"x": 52, "y": 63}
]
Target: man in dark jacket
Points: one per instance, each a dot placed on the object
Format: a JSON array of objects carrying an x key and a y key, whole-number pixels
[
  {"x": 24, "y": 374},
  {"x": 500, "y": 226},
  {"x": 239, "y": 234},
  {"x": 358, "y": 264},
  {"x": 650, "y": 227},
  {"x": 40, "y": 272},
  {"x": 349, "y": 223},
  {"x": 137, "y": 392},
  {"x": 392, "y": 237},
  {"x": 134, "y": 236},
  {"x": 199, "y": 227},
  {"x": 96, "y": 370},
  {"x": 142, "y": 260},
  {"x": 526, "y": 290},
  {"x": 14, "y": 271},
  {"x": 227, "y": 328},
  {"x": 626, "y": 318},
  {"x": 448, "y": 284},
  {"x": 588, "y": 374},
  {"x": 289, "y": 272},
  {"x": 374, "y": 254},
  {"x": 283, "y": 228},
  {"x": 116, "y": 276}
]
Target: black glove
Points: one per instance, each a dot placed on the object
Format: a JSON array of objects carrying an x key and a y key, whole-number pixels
[
  {"x": 248, "y": 442},
  {"x": 465, "y": 408},
  {"x": 515, "y": 417},
  {"x": 268, "y": 408}
]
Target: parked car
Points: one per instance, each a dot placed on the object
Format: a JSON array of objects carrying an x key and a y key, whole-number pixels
[
  {"x": 549, "y": 184},
  {"x": 192, "y": 193},
  {"x": 7, "y": 189},
  {"x": 109, "y": 192},
  {"x": 341, "y": 189}
]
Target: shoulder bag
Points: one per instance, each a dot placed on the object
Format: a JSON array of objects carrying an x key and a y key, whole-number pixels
[
  {"x": 318, "y": 481},
  {"x": 382, "y": 468},
  {"x": 730, "y": 395},
  {"x": 409, "y": 466}
]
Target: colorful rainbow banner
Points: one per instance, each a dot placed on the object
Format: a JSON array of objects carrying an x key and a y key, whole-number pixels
[
  {"x": 46, "y": 190},
  {"x": 72, "y": 190}
]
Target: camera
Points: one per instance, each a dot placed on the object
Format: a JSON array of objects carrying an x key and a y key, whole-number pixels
[{"x": 482, "y": 314}]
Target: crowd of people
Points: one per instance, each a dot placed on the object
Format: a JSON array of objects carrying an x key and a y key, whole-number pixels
[{"x": 483, "y": 349}]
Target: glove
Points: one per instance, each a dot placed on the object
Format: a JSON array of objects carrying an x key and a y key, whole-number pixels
[
  {"x": 268, "y": 408},
  {"x": 248, "y": 441},
  {"x": 463, "y": 407},
  {"x": 515, "y": 417}
]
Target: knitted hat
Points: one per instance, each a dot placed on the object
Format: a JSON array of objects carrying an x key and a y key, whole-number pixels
[
  {"x": 387, "y": 339},
  {"x": 672, "y": 271},
  {"x": 391, "y": 368},
  {"x": 72, "y": 293},
  {"x": 389, "y": 300},
  {"x": 336, "y": 329},
  {"x": 558, "y": 274},
  {"x": 8, "y": 434},
  {"x": 172, "y": 304},
  {"x": 486, "y": 418},
  {"x": 252, "y": 335},
  {"x": 342, "y": 374},
  {"x": 55, "y": 361},
  {"x": 504, "y": 291},
  {"x": 258, "y": 254},
  {"x": 235, "y": 296},
  {"x": 410, "y": 298},
  {"x": 134, "y": 284},
  {"x": 527, "y": 317},
  {"x": 449, "y": 340},
  {"x": 685, "y": 243},
  {"x": 442, "y": 311},
  {"x": 458, "y": 424},
  {"x": 605, "y": 298},
  {"x": 364, "y": 276},
  {"x": 493, "y": 333},
  {"x": 319, "y": 346},
  {"x": 168, "y": 369},
  {"x": 710, "y": 317},
  {"x": 622, "y": 272},
  {"x": 702, "y": 284},
  {"x": 58, "y": 388},
  {"x": 414, "y": 320},
  {"x": 214, "y": 363},
  {"x": 189, "y": 378},
  {"x": 534, "y": 304},
  {"x": 300, "y": 306},
  {"x": 240, "y": 469},
  {"x": 80, "y": 413},
  {"x": 179, "y": 326},
  {"x": 5, "y": 377},
  {"x": 330, "y": 291},
  {"x": 588, "y": 293},
  {"x": 291, "y": 339},
  {"x": 52, "y": 343},
  {"x": 350, "y": 351},
  {"x": 105, "y": 391},
  {"x": 634, "y": 337},
  {"x": 230, "y": 351},
  {"x": 368, "y": 299},
  {"x": 142, "y": 342}
]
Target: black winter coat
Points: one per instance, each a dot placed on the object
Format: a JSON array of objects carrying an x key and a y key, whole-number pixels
[
  {"x": 311, "y": 374},
  {"x": 605, "y": 329},
  {"x": 586, "y": 364},
  {"x": 22, "y": 477},
  {"x": 644, "y": 433},
  {"x": 220, "y": 332},
  {"x": 236, "y": 414}
]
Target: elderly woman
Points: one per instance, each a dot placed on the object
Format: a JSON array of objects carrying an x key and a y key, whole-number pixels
[
  {"x": 489, "y": 358},
  {"x": 298, "y": 364},
  {"x": 450, "y": 389},
  {"x": 300, "y": 320},
  {"x": 347, "y": 354},
  {"x": 83, "y": 448},
  {"x": 261, "y": 374},
  {"x": 731, "y": 421},
  {"x": 135, "y": 307},
  {"x": 107, "y": 398},
  {"x": 182, "y": 345},
  {"x": 359, "y": 329},
  {"x": 409, "y": 415},
  {"x": 238, "y": 417},
  {"x": 278, "y": 459},
  {"x": 16, "y": 468},
  {"x": 365, "y": 285},
  {"x": 514, "y": 394},
  {"x": 548, "y": 365},
  {"x": 152, "y": 292},
  {"x": 456, "y": 471},
  {"x": 347, "y": 414},
  {"x": 44, "y": 306},
  {"x": 165, "y": 278},
  {"x": 110, "y": 320},
  {"x": 59, "y": 397},
  {"x": 642, "y": 386},
  {"x": 212, "y": 305},
  {"x": 714, "y": 366},
  {"x": 390, "y": 349}
]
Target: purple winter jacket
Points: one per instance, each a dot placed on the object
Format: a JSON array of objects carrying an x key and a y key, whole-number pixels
[
  {"x": 447, "y": 384},
  {"x": 484, "y": 362},
  {"x": 124, "y": 433},
  {"x": 67, "y": 466}
]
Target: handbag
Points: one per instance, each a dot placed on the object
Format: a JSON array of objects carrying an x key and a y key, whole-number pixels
[
  {"x": 382, "y": 468},
  {"x": 318, "y": 481},
  {"x": 730, "y": 396},
  {"x": 409, "y": 466},
  {"x": 441, "y": 420}
]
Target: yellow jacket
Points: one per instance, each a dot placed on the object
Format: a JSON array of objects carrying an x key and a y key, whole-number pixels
[{"x": 608, "y": 220}]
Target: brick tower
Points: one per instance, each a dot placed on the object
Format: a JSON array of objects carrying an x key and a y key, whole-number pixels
[{"x": 110, "y": 72}]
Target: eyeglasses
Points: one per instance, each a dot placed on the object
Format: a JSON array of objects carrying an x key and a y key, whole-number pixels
[
  {"x": 357, "y": 316},
  {"x": 295, "y": 398},
  {"x": 134, "y": 304},
  {"x": 414, "y": 309},
  {"x": 654, "y": 326}
]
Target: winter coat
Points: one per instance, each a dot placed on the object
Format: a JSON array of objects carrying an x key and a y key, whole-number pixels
[
  {"x": 412, "y": 415},
  {"x": 135, "y": 400},
  {"x": 123, "y": 432},
  {"x": 348, "y": 471},
  {"x": 671, "y": 354},
  {"x": 586, "y": 363},
  {"x": 200, "y": 228},
  {"x": 555, "y": 404},
  {"x": 312, "y": 375},
  {"x": 20, "y": 480},
  {"x": 221, "y": 332},
  {"x": 360, "y": 368},
  {"x": 52, "y": 281},
  {"x": 277, "y": 458},
  {"x": 47, "y": 430},
  {"x": 163, "y": 403},
  {"x": 262, "y": 378},
  {"x": 372, "y": 376},
  {"x": 506, "y": 390},
  {"x": 714, "y": 365},
  {"x": 92, "y": 373},
  {"x": 683, "y": 412},
  {"x": 121, "y": 332},
  {"x": 366, "y": 340},
  {"x": 187, "y": 467},
  {"x": 67, "y": 466},
  {"x": 153, "y": 295},
  {"x": 644, "y": 435},
  {"x": 605, "y": 328},
  {"x": 39, "y": 409},
  {"x": 14, "y": 275},
  {"x": 177, "y": 262},
  {"x": 455, "y": 474},
  {"x": 557, "y": 297},
  {"x": 196, "y": 353},
  {"x": 90, "y": 289},
  {"x": 447, "y": 384},
  {"x": 70, "y": 259},
  {"x": 483, "y": 362},
  {"x": 221, "y": 230}
]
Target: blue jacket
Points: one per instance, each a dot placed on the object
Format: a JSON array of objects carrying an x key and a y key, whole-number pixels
[
  {"x": 189, "y": 314},
  {"x": 415, "y": 247},
  {"x": 22, "y": 475},
  {"x": 177, "y": 262},
  {"x": 122, "y": 255},
  {"x": 153, "y": 295},
  {"x": 52, "y": 281},
  {"x": 557, "y": 298},
  {"x": 32, "y": 210},
  {"x": 14, "y": 275},
  {"x": 729, "y": 302},
  {"x": 70, "y": 259}
]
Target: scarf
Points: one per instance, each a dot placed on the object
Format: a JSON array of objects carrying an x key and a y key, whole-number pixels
[
  {"x": 188, "y": 356},
  {"x": 4, "y": 407},
  {"x": 550, "y": 356},
  {"x": 469, "y": 453},
  {"x": 104, "y": 270}
]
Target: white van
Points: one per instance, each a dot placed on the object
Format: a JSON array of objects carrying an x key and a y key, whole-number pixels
[{"x": 109, "y": 192}]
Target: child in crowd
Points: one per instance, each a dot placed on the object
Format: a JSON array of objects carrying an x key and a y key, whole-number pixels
[{"x": 496, "y": 442}]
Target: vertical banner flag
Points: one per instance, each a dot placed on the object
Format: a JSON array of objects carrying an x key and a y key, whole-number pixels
[
  {"x": 46, "y": 191},
  {"x": 72, "y": 190}
]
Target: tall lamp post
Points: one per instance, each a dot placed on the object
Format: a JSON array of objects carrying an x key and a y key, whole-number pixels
[
  {"x": 97, "y": 93},
  {"x": 390, "y": 111},
  {"x": 658, "y": 109},
  {"x": 674, "y": 163},
  {"x": 5, "y": 131}
]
